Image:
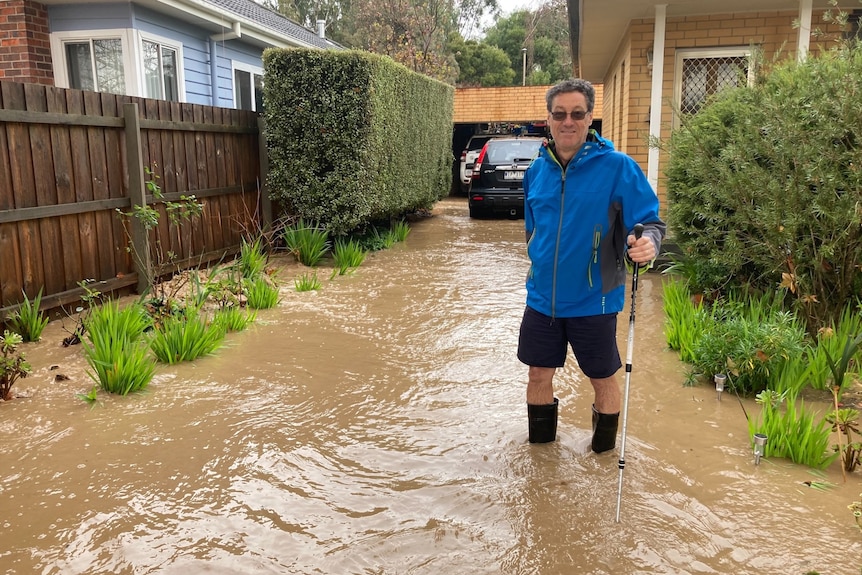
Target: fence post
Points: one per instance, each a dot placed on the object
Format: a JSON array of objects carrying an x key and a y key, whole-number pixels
[
  {"x": 137, "y": 196},
  {"x": 265, "y": 202}
]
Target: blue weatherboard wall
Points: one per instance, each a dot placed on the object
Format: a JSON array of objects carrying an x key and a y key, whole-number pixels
[{"x": 197, "y": 45}]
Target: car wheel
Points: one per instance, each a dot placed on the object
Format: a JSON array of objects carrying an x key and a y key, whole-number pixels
[{"x": 474, "y": 213}]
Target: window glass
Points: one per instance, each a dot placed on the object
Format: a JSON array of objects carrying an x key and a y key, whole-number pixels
[
  {"x": 109, "y": 65},
  {"x": 79, "y": 62},
  {"x": 96, "y": 65},
  {"x": 242, "y": 89},
  {"x": 160, "y": 71}
]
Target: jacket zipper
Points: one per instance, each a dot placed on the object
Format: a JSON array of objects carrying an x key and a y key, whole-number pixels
[
  {"x": 557, "y": 243},
  {"x": 597, "y": 241}
]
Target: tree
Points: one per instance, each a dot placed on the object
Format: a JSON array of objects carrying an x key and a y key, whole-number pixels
[
  {"x": 412, "y": 32},
  {"x": 481, "y": 64},
  {"x": 544, "y": 33}
]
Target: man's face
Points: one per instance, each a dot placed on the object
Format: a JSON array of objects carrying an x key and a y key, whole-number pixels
[{"x": 569, "y": 134}]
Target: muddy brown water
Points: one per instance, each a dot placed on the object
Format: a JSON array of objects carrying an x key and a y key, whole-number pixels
[{"x": 378, "y": 426}]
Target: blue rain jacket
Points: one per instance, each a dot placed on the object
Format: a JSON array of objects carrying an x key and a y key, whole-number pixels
[{"x": 577, "y": 222}]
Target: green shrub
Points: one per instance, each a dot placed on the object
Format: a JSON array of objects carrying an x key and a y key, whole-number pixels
[
  {"x": 830, "y": 343},
  {"x": 348, "y": 255},
  {"x": 345, "y": 131},
  {"x": 13, "y": 366},
  {"x": 307, "y": 282},
  {"x": 308, "y": 243},
  {"x": 29, "y": 321},
  {"x": 186, "y": 337},
  {"x": 763, "y": 183}
]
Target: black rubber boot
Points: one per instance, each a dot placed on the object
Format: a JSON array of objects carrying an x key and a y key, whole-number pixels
[
  {"x": 604, "y": 430},
  {"x": 542, "y": 420}
]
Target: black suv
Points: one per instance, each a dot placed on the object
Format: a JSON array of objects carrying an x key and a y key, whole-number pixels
[{"x": 498, "y": 177}]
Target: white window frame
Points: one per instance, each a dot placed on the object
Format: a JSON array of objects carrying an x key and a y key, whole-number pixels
[
  {"x": 697, "y": 53},
  {"x": 58, "y": 53},
  {"x": 133, "y": 49},
  {"x": 243, "y": 68},
  {"x": 140, "y": 37}
]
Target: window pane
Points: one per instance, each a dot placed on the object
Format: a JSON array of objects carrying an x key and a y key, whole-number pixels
[
  {"x": 242, "y": 89},
  {"x": 152, "y": 77},
  {"x": 109, "y": 65},
  {"x": 169, "y": 73},
  {"x": 703, "y": 77},
  {"x": 79, "y": 62},
  {"x": 258, "y": 92}
]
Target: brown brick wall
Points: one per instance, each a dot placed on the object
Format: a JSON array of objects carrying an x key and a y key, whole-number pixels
[
  {"x": 509, "y": 104},
  {"x": 25, "y": 47}
]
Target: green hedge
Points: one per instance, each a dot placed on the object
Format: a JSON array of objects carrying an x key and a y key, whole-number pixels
[{"x": 353, "y": 137}]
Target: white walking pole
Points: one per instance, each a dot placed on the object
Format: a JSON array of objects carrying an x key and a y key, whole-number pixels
[{"x": 638, "y": 231}]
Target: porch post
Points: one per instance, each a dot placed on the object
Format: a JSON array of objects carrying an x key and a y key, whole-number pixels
[
  {"x": 804, "y": 38},
  {"x": 656, "y": 92}
]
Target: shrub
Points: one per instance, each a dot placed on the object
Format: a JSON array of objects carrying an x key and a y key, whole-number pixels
[
  {"x": 13, "y": 366},
  {"x": 763, "y": 184},
  {"x": 29, "y": 321}
]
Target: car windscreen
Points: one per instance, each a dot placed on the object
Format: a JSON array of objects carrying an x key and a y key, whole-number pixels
[{"x": 507, "y": 151}]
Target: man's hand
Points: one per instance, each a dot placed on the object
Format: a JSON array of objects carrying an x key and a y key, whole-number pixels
[{"x": 641, "y": 250}]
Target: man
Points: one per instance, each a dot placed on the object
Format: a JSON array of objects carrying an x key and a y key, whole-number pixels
[{"x": 581, "y": 201}]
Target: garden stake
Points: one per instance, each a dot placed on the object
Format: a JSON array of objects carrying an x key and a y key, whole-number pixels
[{"x": 638, "y": 231}]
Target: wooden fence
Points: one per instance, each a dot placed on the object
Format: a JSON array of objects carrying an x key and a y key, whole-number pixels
[{"x": 71, "y": 162}]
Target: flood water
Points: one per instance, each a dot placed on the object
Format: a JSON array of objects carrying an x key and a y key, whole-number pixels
[{"x": 378, "y": 426}]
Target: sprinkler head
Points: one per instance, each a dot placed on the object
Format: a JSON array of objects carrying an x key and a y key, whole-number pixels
[
  {"x": 759, "y": 447},
  {"x": 719, "y": 379}
]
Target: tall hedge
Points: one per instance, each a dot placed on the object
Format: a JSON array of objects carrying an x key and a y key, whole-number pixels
[
  {"x": 765, "y": 184},
  {"x": 354, "y": 137}
]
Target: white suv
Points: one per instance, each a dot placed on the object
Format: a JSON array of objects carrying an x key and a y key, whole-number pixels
[{"x": 468, "y": 158}]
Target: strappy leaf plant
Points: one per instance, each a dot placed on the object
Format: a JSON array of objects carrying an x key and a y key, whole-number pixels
[
  {"x": 29, "y": 321},
  {"x": 252, "y": 259},
  {"x": 307, "y": 282},
  {"x": 348, "y": 256},
  {"x": 262, "y": 293},
  {"x": 186, "y": 337},
  {"x": 116, "y": 350},
  {"x": 233, "y": 318},
  {"x": 307, "y": 242}
]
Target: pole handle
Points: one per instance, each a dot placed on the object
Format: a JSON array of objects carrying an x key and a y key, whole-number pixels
[{"x": 638, "y": 231}]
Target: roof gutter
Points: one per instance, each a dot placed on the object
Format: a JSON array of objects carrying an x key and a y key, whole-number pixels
[
  {"x": 575, "y": 11},
  {"x": 220, "y": 17},
  {"x": 235, "y": 32}
]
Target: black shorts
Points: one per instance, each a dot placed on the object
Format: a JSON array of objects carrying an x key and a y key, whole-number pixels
[{"x": 543, "y": 342}]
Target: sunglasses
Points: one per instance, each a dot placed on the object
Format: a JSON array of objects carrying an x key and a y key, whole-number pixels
[{"x": 576, "y": 115}]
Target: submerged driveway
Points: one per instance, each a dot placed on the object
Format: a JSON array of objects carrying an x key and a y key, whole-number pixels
[{"x": 378, "y": 426}]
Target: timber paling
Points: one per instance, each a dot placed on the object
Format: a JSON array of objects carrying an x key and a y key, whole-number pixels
[{"x": 70, "y": 160}]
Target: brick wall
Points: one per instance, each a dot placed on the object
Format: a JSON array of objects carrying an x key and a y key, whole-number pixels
[
  {"x": 25, "y": 48},
  {"x": 510, "y": 104}
]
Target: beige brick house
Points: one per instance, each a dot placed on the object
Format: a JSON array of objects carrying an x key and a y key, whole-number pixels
[{"x": 657, "y": 59}]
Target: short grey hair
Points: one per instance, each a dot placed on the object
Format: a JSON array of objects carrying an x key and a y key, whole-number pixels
[{"x": 572, "y": 85}]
